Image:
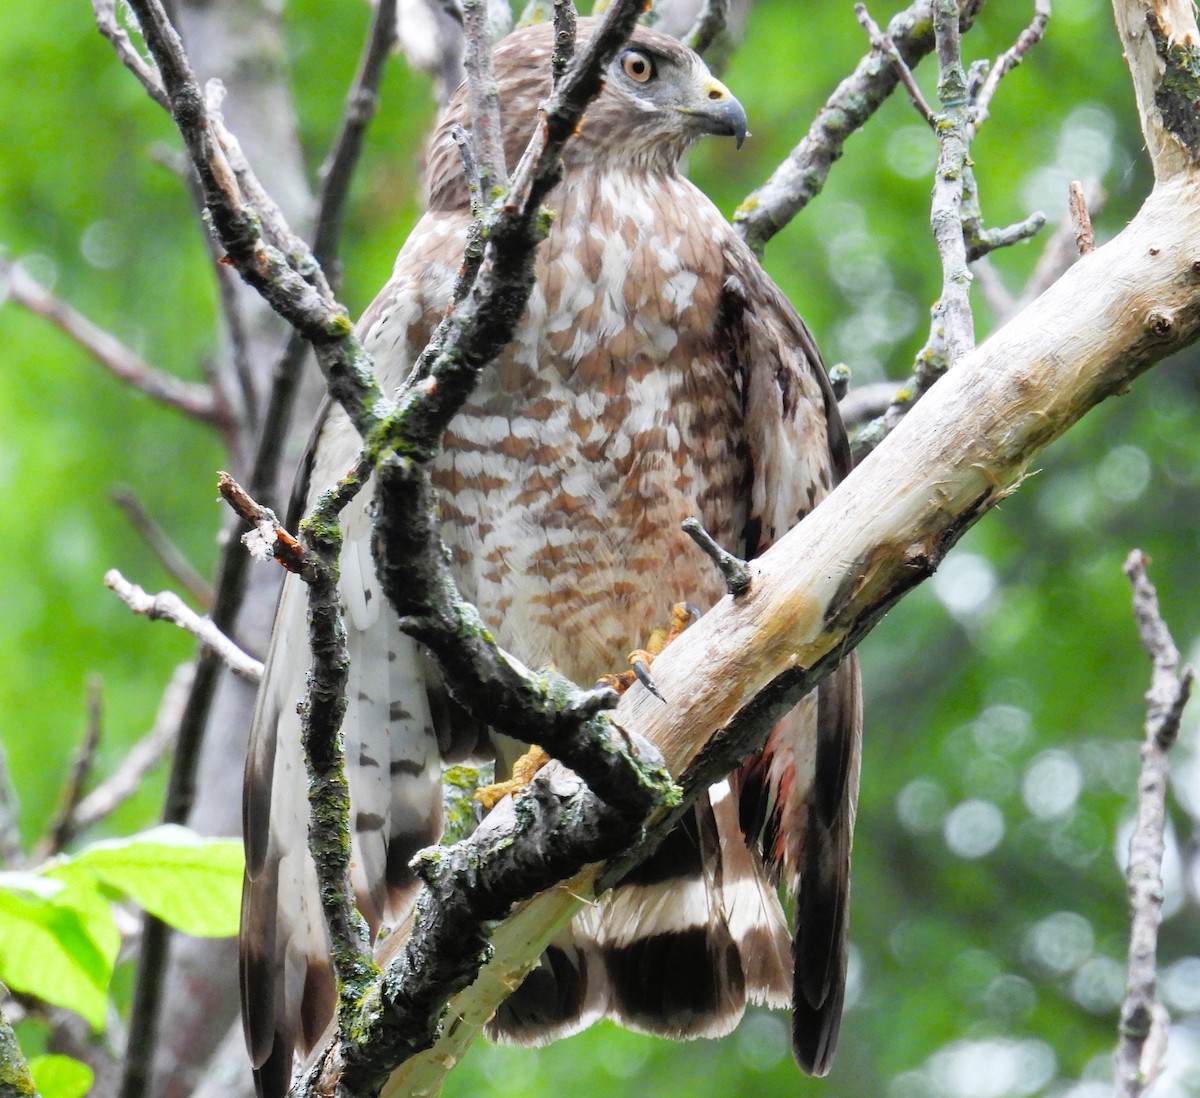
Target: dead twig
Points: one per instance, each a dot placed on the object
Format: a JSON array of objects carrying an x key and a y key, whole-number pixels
[
  {"x": 1142, "y": 1030},
  {"x": 63, "y": 828},
  {"x": 1081, "y": 220},
  {"x": 169, "y": 555},
  {"x": 111, "y": 793},
  {"x": 168, "y": 606},
  {"x": 197, "y": 401}
]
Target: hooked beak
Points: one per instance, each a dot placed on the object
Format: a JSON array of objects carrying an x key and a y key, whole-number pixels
[{"x": 721, "y": 113}]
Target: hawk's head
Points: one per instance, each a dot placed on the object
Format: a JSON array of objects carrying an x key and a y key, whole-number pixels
[{"x": 658, "y": 98}]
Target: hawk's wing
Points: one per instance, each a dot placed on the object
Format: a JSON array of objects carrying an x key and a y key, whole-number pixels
[
  {"x": 391, "y": 742},
  {"x": 799, "y": 795}
]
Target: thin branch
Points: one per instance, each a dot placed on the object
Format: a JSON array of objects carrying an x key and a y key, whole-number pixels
[
  {"x": 881, "y": 42},
  {"x": 564, "y": 38},
  {"x": 239, "y": 342},
  {"x": 484, "y": 97},
  {"x": 63, "y": 828},
  {"x": 146, "y": 754},
  {"x": 268, "y": 540},
  {"x": 710, "y": 23},
  {"x": 953, "y": 325},
  {"x": 1009, "y": 60},
  {"x": 1139, "y": 1057},
  {"x": 147, "y": 75},
  {"x": 361, "y": 105},
  {"x": 800, "y": 177},
  {"x": 981, "y": 241},
  {"x": 991, "y": 286},
  {"x": 733, "y": 569},
  {"x": 168, "y": 606},
  {"x": 1081, "y": 219},
  {"x": 169, "y": 555},
  {"x": 256, "y": 236},
  {"x": 197, "y": 401}
]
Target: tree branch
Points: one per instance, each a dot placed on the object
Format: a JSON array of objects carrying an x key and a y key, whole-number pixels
[
  {"x": 168, "y": 606},
  {"x": 197, "y": 401},
  {"x": 343, "y": 157},
  {"x": 818, "y": 591},
  {"x": 799, "y": 179},
  {"x": 1138, "y": 1058},
  {"x": 710, "y": 22},
  {"x": 141, "y": 758},
  {"x": 169, "y": 555},
  {"x": 62, "y": 829}
]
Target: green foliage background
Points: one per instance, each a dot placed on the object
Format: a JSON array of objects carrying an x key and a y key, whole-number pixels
[{"x": 1004, "y": 697}]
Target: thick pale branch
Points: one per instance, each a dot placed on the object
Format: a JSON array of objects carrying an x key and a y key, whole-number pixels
[
  {"x": 886, "y": 528},
  {"x": 1162, "y": 46}
]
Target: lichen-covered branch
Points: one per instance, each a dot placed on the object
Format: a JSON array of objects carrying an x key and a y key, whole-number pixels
[
  {"x": 1162, "y": 46},
  {"x": 1142, "y": 1028},
  {"x": 288, "y": 280},
  {"x": 710, "y": 22},
  {"x": 956, "y": 219},
  {"x": 484, "y": 97},
  {"x": 820, "y": 589},
  {"x": 799, "y": 179},
  {"x": 15, "y": 1080}
]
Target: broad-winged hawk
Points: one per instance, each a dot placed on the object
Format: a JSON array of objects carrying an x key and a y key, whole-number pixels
[{"x": 657, "y": 374}]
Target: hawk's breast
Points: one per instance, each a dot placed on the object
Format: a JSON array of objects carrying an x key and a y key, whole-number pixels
[{"x": 612, "y": 417}]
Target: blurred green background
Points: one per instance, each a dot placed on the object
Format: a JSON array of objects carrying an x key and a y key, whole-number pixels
[{"x": 1004, "y": 697}]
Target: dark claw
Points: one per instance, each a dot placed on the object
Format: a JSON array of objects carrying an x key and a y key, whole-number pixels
[{"x": 643, "y": 675}]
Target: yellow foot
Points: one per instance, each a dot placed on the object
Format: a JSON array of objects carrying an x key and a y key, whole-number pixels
[
  {"x": 682, "y": 615},
  {"x": 522, "y": 774}
]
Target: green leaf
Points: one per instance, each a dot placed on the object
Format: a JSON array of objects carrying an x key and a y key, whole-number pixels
[
  {"x": 60, "y": 1076},
  {"x": 57, "y": 944},
  {"x": 193, "y": 883}
]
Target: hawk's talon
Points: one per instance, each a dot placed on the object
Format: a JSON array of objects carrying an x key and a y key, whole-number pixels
[
  {"x": 683, "y": 614},
  {"x": 523, "y": 772},
  {"x": 641, "y": 668}
]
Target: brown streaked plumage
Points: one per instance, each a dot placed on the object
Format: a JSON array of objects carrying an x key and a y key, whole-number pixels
[{"x": 657, "y": 373}]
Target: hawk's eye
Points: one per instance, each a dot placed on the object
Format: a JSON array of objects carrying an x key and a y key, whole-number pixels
[{"x": 637, "y": 66}]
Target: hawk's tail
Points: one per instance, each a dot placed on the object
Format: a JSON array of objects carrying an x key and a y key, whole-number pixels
[{"x": 686, "y": 939}]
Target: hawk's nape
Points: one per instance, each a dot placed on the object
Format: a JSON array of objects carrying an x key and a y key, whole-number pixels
[{"x": 657, "y": 374}]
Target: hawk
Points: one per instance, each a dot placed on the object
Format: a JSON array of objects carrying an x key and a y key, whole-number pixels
[{"x": 657, "y": 374}]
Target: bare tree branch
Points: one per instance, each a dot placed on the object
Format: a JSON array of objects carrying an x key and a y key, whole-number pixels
[
  {"x": 197, "y": 401},
  {"x": 146, "y": 754},
  {"x": 361, "y": 105},
  {"x": 710, "y": 22},
  {"x": 170, "y": 556},
  {"x": 1008, "y": 61},
  {"x": 881, "y": 42},
  {"x": 802, "y": 175},
  {"x": 168, "y": 606},
  {"x": 1081, "y": 219},
  {"x": 484, "y": 98},
  {"x": 15, "y": 1080},
  {"x": 63, "y": 827},
  {"x": 109, "y": 26},
  {"x": 1142, "y": 1029}
]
